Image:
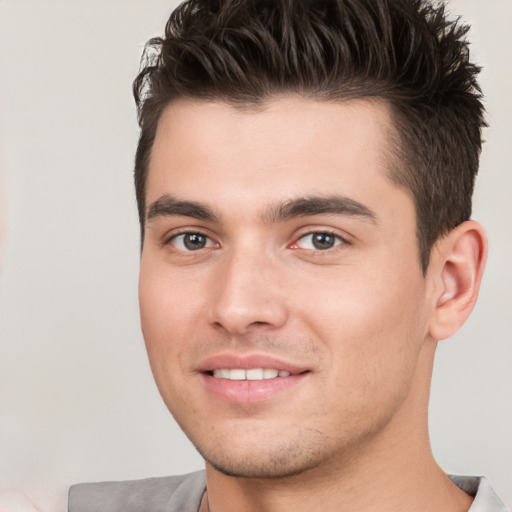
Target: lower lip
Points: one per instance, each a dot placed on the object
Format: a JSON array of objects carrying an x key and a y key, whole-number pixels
[{"x": 249, "y": 391}]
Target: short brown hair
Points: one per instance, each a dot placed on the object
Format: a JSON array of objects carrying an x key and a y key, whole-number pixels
[{"x": 404, "y": 51}]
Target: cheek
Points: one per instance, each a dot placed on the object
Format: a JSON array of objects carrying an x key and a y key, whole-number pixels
[
  {"x": 168, "y": 307},
  {"x": 168, "y": 300},
  {"x": 166, "y": 320},
  {"x": 371, "y": 325}
]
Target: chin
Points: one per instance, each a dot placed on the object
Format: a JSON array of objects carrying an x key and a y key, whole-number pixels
[{"x": 282, "y": 461}]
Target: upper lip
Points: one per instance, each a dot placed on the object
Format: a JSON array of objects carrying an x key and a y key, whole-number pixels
[{"x": 248, "y": 361}]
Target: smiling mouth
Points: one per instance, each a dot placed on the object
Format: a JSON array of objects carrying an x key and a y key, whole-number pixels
[
  {"x": 244, "y": 383},
  {"x": 249, "y": 374}
]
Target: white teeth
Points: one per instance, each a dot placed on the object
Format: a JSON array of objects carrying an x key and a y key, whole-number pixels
[
  {"x": 254, "y": 374},
  {"x": 270, "y": 374},
  {"x": 250, "y": 374},
  {"x": 236, "y": 374}
]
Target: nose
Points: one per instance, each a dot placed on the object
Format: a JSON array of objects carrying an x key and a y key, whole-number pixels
[{"x": 247, "y": 294}]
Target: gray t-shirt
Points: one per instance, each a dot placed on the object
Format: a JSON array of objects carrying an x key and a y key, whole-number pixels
[
  {"x": 184, "y": 494},
  {"x": 164, "y": 494}
]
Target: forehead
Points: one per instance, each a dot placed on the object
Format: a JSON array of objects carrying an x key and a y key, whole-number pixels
[{"x": 288, "y": 146}]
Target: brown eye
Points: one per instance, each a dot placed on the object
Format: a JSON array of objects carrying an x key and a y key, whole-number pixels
[
  {"x": 191, "y": 241},
  {"x": 320, "y": 241},
  {"x": 323, "y": 241}
]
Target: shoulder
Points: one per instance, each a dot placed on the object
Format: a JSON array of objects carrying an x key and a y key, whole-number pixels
[{"x": 161, "y": 494}]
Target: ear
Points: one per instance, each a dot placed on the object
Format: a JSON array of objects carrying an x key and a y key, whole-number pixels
[{"x": 457, "y": 264}]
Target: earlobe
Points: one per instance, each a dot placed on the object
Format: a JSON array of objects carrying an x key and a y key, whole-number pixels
[{"x": 457, "y": 271}]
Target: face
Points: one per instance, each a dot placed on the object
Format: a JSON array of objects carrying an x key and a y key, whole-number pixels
[{"x": 282, "y": 299}]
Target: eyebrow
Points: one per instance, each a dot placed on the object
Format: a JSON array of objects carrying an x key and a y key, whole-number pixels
[
  {"x": 293, "y": 208},
  {"x": 170, "y": 206},
  {"x": 306, "y": 206}
]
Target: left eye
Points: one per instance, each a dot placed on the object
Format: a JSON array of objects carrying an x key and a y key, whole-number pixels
[
  {"x": 319, "y": 241},
  {"x": 191, "y": 241}
]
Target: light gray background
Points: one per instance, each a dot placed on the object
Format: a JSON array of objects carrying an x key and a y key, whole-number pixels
[{"x": 77, "y": 398}]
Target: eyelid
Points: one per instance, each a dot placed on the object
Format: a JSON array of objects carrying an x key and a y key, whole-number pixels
[
  {"x": 171, "y": 235},
  {"x": 168, "y": 238},
  {"x": 343, "y": 240}
]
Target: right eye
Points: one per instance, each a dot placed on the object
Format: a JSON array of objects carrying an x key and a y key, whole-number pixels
[
  {"x": 191, "y": 241},
  {"x": 319, "y": 241}
]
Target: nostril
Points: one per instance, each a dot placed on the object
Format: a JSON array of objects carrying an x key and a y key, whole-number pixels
[{"x": 241, "y": 315}]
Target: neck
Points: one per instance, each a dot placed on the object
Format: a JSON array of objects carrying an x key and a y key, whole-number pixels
[
  {"x": 389, "y": 482},
  {"x": 395, "y": 470}
]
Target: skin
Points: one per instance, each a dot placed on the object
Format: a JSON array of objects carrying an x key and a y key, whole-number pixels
[{"x": 359, "y": 318}]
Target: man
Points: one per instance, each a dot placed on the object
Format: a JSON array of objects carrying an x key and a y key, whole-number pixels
[{"x": 304, "y": 178}]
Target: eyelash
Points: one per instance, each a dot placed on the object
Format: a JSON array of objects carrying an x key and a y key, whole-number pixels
[
  {"x": 339, "y": 240},
  {"x": 169, "y": 240}
]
